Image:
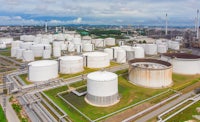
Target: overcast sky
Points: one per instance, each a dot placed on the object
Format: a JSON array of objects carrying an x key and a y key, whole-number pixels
[{"x": 115, "y": 12}]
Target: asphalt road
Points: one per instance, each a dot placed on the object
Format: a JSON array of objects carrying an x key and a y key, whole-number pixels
[{"x": 165, "y": 107}]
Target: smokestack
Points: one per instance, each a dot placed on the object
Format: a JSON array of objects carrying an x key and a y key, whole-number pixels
[
  {"x": 63, "y": 29},
  {"x": 198, "y": 24},
  {"x": 166, "y": 24},
  {"x": 45, "y": 26},
  {"x": 195, "y": 24}
]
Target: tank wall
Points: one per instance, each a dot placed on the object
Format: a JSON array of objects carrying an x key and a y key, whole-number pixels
[
  {"x": 150, "y": 78},
  {"x": 43, "y": 73},
  {"x": 98, "y": 61},
  {"x": 69, "y": 67}
]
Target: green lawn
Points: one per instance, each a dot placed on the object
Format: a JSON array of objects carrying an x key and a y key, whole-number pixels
[
  {"x": 186, "y": 114},
  {"x": 24, "y": 77},
  {"x": 129, "y": 93},
  {"x": 6, "y": 52},
  {"x": 2, "y": 115}
]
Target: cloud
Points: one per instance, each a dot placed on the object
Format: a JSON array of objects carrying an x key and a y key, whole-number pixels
[
  {"x": 100, "y": 11},
  {"x": 78, "y": 20}
]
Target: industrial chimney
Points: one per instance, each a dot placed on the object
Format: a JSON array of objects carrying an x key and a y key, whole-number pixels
[
  {"x": 166, "y": 24},
  {"x": 198, "y": 24}
]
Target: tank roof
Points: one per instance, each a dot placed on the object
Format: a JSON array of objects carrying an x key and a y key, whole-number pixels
[
  {"x": 181, "y": 55},
  {"x": 102, "y": 76},
  {"x": 95, "y": 54},
  {"x": 43, "y": 63},
  {"x": 149, "y": 60},
  {"x": 70, "y": 58}
]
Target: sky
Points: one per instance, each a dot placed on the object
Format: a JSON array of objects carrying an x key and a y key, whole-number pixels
[{"x": 98, "y": 12}]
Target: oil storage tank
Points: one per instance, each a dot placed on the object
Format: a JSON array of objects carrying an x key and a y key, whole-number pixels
[
  {"x": 151, "y": 49},
  {"x": 96, "y": 59},
  {"x": 28, "y": 55},
  {"x": 100, "y": 43},
  {"x": 42, "y": 70},
  {"x": 110, "y": 52},
  {"x": 150, "y": 73},
  {"x": 110, "y": 41},
  {"x": 102, "y": 89},
  {"x": 183, "y": 63},
  {"x": 71, "y": 64},
  {"x": 139, "y": 52}
]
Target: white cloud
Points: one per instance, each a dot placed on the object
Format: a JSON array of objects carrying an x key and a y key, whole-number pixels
[{"x": 78, "y": 20}]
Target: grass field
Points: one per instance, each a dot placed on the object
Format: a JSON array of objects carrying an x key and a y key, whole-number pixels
[
  {"x": 186, "y": 114},
  {"x": 2, "y": 115},
  {"x": 24, "y": 78},
  {"x": 129, "y": 93},
  {"x": 6, "y": 52}
]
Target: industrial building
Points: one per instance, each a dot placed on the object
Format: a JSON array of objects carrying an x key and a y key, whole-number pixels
[
  {"x": 150, "y": 73},
  {"x": 102, "y": 89}
]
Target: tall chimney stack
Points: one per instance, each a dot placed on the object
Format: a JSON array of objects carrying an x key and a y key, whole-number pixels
[
  {"x": 166, "y": 25},
  {"x": 198, "y": 24}
]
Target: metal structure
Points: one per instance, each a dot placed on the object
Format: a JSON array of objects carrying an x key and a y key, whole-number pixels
[{"x": 150, "y": 73}]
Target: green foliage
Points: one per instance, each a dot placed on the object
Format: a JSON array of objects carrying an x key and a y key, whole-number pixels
[
  {"x": 24, "y": 120},
  {"x": 17, "y": 108},
  {"x": 144, "y": 41},
  {"x": 2, "y": 115},
  {"x": 107, "y": 32}
]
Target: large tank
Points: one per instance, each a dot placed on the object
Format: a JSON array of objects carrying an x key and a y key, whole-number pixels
[
  {"x": 130, "y": 54},
  {"x": 71, "y": 47},
  {"x": 88, "y": 47},
  {"x": 121, "y": 43},
  {"x": 76, "y": 40},
  {"x": 102, "y": 89},
  {"x": 6, "y": 40},
  {"x": 162, "y": 48},
  {"x": 26, "y": 45},
  {"x": 46, "y": 54},
  {"x": 110, "y": 41},
  {"x": 151, "y": 49},
  {"x": 28, "y": 55},
  {"x": 16, "y": 44},
  {"x": 96, "y": 60},
  {"x": 110, "y": 52},
  {"x": 71, "y": 64},
  {"x": 150, "y": 73},
  {"x": 78, "y": 48},
  {"x": 183, "y": 63},
  {"x": 174, "y": 45},
  {"x": 139, "y": 52},
  {"x": 19, "y": 53},
  {"x": 42, "y": 70},
  {"x": 121, "y": 56},
  {"x": 37, "y": 49},
  {"x": 56, "y": 51},
  {"x": 115, "y": 49},
  {"x": 14, "y": 51},
  {"x": 126, "y": 47},
  {"x": 2, "y": 45},
  {"x": 100, "y": 43}
]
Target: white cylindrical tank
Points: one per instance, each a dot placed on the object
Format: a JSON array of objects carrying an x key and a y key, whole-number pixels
[
  {"x": 71, "y": 47},
  {"x": 100, "y": 43},
  {"x": 16, "y": 44},
  {"x": 102, "y": 89},
  {"x": 37, "y": 50},
  {"x": 19, "y": 53},
  {"x": 86, "y": 41},
  {"x": 121, "y": 56},
  {"x": 64, "y": 47},
  {"x": 126, "y": 47},
  {"x": 2, "y": 45},
  {"x": 26, "y": 45},
  {"x": 139, "y": 52},
  {"x": 96, "y": 60},
  {"x": 162, "y": 48},
  {"x": 76, "y": 40},
  {"x": 88, "y": 47},
  {"x": 110, "y": 52},
  {"x": 71, "y": 64},
  {"x": 56, "y": 51},
  {"x": 151, "y": 49},
  {"x": 121, "y": 43},
  {"x": 28, "y": 55},
  {"x": 42, "y": 70},
  {"x": 6, "y": 40},
  {"x": 186, "y": 64},
  {"x": 130, "y": 54},
  {"x": 78, "y": 48},
  {"x": 115, "y": 49},
  {"x": 150, "y": 73},
  {"x": 14, "y": 51},
  {"x": 46, "y": 54},
  {"x": 110, "y": 41}
]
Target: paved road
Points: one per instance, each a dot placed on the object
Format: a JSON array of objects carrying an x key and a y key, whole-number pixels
[
  {"x": 165, "y": 107},
  {"x": 10, "y": 113}
]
